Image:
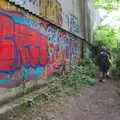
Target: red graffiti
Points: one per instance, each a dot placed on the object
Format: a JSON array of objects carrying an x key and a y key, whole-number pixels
[
  {"x": 7, "y": 49},
  {"x": 26, "y": 54},
  {"x": 20, "y": 45}
]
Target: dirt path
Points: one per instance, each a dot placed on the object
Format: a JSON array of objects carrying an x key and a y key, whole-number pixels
[{"x": 99, "y": 102}]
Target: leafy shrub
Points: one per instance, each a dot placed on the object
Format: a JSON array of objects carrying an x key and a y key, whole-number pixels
[
  {"x": 116, "y": 65},
  {"x": 79, "y": 75},
  {"x": 107, "y": 36},
  {"x": 89, "y": 67},
  {"x": 108, "y": 5}
]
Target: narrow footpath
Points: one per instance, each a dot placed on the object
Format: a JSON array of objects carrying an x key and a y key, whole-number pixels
[{"x": 99, "y": 102}]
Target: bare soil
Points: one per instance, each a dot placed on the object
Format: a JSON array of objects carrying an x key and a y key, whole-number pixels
[{"x": 98, "y": 102}]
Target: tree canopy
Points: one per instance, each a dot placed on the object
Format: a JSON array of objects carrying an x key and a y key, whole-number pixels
[
  {"x": 107, "y": 4},
  {"x": 107, "y": 35}
]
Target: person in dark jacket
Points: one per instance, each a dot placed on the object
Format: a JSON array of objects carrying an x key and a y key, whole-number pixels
[{"x": 103, "y": 62}]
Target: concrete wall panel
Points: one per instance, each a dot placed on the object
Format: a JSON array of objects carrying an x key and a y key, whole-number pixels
[
  {"x": 64, "y": 13},
  {"x": 32, "y": 49}
]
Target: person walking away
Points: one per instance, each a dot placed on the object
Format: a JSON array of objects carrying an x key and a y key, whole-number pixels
[{"x": 103, "y": 63}]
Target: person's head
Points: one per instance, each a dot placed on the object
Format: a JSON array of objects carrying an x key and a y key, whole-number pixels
[{"x": 103, "y": 48}]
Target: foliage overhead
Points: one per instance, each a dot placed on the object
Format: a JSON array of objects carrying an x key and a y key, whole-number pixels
[
  {"x": 115, "y": 70},
  {"x": 107, "y": 36},
  {"x": 107, "y": 4}
]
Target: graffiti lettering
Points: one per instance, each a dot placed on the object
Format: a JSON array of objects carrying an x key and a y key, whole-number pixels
[
  {"x": 20, "y": 45},
  {"x": 30, "y": 50},
  {"x": 72, "y": 23}
]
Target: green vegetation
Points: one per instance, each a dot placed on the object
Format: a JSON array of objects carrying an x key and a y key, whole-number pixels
[
  {"x": 76, "y": 77},
  {"x": 107, "y": 36},
  {"x": 116, "y": 64},
  {"x": 65, "y": 83},
  {"x": 109, "y": 5}
]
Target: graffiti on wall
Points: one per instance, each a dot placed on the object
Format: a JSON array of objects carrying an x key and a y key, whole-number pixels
[
  {"x": 32, "y": 50},
  {"x": 72, "y": 23},
  {"x": 31, "y": 5},
  {"x": 50, "y": 9},
  {"x": 54, "y": 11},
  {"x": 20, "y": 46}
]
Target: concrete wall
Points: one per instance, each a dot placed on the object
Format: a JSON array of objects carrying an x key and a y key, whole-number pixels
[
  {"x": 64, "y": 13},
  {"x": 90, "y": 18},
  {"x": 71, "y": 16},
  {"x": 30, "y": 48},
  {"x": 94, "y": 18},
  {"x": 76, "y": 16}
]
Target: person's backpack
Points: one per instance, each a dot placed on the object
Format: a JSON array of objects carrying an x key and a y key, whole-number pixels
[{"x": 104, "y": 58}]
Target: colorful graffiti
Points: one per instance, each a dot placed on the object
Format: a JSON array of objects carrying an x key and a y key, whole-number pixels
[
  {"x": 32, "y": 50},
  {"x": 55, "y": 11},
  {"x": 49, "y": 9},
  {"x": 20, "y": 46},
  {"x": 72, "y": 23}
]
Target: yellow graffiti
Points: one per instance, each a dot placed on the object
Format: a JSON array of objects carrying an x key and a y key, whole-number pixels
[
  {"x": 52, "y": 10},
  {"x": 6, "y": 5},
  {"x": 49, "y": 9}
]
